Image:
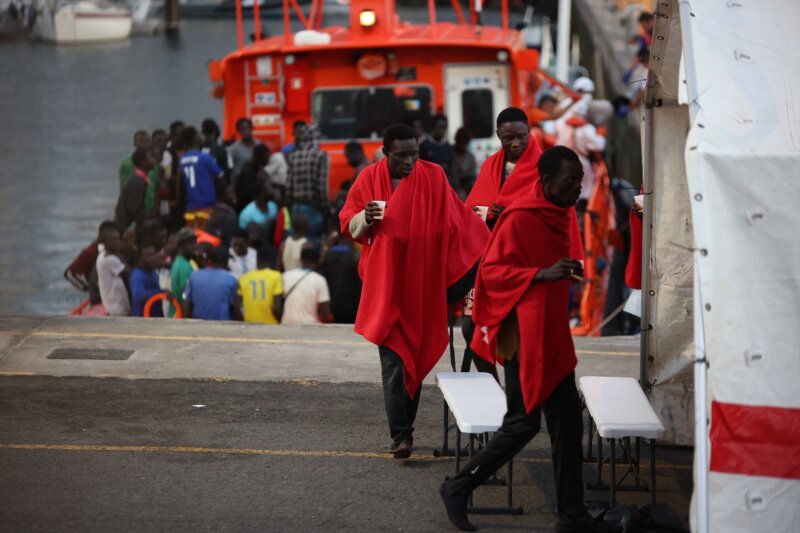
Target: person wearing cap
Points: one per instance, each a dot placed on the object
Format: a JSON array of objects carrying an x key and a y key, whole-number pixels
[
  {"x": 182, "y": 266},
  {"x": 211, "y": 293}
]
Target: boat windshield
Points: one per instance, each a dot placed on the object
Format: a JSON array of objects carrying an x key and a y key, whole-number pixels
[{"x": 364, "y": 112}]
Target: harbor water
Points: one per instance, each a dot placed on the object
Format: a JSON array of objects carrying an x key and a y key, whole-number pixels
[{"x": 67, "y": 117}]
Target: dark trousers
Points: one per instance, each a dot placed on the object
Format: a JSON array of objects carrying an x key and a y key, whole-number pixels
[
  {"x": 481, "y": 364},
  {"x": 401, "y": 409},
  {"x": 562, "y": 413}
]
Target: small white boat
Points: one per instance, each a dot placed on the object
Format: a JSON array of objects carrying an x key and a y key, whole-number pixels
[{"x": 84, "y": 21}]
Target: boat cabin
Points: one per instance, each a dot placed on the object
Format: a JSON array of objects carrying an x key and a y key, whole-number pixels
[{"x": 354, "y": 81}]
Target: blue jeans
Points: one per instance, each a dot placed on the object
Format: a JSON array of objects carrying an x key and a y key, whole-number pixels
[{"x": 316, "y": 225}]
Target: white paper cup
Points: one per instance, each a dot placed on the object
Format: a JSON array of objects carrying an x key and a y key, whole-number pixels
[
  {"x": 482, "y": 210},
  {"x": 382, "y": 205},
  {"x": 639, "y": 200}
]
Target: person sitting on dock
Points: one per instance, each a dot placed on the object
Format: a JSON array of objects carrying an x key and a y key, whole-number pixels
[
  {"x": 211, "y": 293},
  {"x": 292, "y": 246},
  {"x": 261, "y": 291},
  {"x": 144, "y": 283},
  {"x": 418, "y": 241},
  {"x": 306, "y": 299},
  {"x": 112, "y": 271},
  {"x": 524, "y": 279},
  {"x": 183, "y": 265},
  {"x": 242, "y": 257}
]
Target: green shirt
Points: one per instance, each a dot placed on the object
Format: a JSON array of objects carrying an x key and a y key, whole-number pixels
[
  {"x": 126, "y": 168},
  {"x": 180, "y": 272},
  {"x": 151, "y": 194}
]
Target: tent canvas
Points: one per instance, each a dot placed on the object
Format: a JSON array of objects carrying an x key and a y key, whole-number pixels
[{"x": 742, "y": 65}]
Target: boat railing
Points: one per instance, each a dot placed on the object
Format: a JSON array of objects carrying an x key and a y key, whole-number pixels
[{"x": 313, "y": 20}]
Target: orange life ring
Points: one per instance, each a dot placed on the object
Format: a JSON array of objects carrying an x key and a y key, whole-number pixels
[{"x": 157, "y": 298}]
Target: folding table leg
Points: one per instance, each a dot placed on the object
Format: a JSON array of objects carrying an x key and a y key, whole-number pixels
[
  {"x": 471, "y": 455},
  {"x": 599, "y": 460},
  {"x": 613, "y": 472},
  {"x": 653, "y": 470},
  {"x": 458, "y": 450},
  {"x": 446, "y": 419}
]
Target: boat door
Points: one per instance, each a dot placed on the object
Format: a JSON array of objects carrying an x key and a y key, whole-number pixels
[{"x": 474, "y": 95}]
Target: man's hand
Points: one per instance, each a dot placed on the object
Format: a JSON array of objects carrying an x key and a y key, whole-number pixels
[
  {"x": 371, "y": 211},
  {"x": 637, "y": 209},
  {"x": 566, "y": 268},
  {"x": 497, "y": 209}
]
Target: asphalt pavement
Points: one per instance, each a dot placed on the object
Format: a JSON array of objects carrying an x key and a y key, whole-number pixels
[{"x": 225, "y": 427}]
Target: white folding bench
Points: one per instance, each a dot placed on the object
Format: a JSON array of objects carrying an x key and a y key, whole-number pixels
[
  {"x": 620, "y": 410},
  {"x": 478, "y": 405}
]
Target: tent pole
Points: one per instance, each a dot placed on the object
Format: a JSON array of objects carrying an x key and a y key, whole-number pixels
[
  {"x": 647, "y": 236},
  {"x": 562, "y": 40},
  {"x": 700, "y": 368}
]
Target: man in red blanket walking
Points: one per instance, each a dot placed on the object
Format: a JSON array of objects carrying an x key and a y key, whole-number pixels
[
  {"x": 507, "y": 175},
  {"x": 419, "y": 239},
  {"x": 524, "y": 280}
]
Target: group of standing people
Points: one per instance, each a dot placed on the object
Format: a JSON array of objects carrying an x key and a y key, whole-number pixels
[
  {"x": 222, "y": 230},
  {"x": 516, "y": 241}
]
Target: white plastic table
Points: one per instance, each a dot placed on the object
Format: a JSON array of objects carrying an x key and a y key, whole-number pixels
[
  {"x": 619, "y": 409},
  {"x": 478, "y": 405}
]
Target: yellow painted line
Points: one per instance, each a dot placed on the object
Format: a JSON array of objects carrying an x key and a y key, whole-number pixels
[
  {"x": 258, "y": 452},
  {"x": 17, "y": 373},
  {"x": 196, "y": 449},
  {"x": 601, "y": 352},
  {"x": 241, "y": 340}
]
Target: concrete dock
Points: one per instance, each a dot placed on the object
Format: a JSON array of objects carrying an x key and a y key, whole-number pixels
[{"x": 237, "y": 427}]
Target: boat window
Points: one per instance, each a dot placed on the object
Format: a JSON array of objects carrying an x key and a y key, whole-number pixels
[
  {"x": 364, "y": 112},
  {"x": 477, "y": 110}
]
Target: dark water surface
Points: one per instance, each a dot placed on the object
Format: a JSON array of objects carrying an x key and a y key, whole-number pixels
[{"x": 67, "y": 117}]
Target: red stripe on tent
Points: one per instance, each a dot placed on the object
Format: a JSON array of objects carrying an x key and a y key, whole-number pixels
[{"x": 755, "y": 440}]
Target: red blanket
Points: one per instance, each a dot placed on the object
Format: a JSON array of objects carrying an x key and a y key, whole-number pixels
[
  {"x": 487, "y": 189},
  {"x": 522, "y": 181},
  {"x": 427, "y": 240},
  {"x": 531, "y": 234},
  {"x": 633, "y": 271}
]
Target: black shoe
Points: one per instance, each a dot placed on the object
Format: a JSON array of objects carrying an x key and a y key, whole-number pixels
[
  {"x": 456, "y": 507},
  {"x": 587, "y": 525},
  {"x": 402, "y": 450}
]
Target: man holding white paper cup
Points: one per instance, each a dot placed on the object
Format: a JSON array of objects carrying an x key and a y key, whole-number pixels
[{"x": 418, "y": 239}]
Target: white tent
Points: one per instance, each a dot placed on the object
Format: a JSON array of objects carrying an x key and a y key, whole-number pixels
[{"x": 738, "y": 89}]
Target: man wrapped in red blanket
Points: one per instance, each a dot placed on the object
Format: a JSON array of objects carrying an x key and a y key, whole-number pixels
[
  {"x": 522, "y": 319},
  {"x": 418, "y": 239},
  {"x": 506, "y": 176}
]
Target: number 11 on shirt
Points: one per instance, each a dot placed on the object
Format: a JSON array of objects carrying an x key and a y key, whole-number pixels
[
  {"x": 189, "y": 170},
  {"x": 254, "y": 285}
]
